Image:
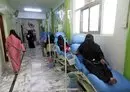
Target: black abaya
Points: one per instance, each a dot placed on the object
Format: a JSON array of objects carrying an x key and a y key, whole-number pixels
[
  {"x": 93, "y": 54},
  {"x": 30, "y": 39}
]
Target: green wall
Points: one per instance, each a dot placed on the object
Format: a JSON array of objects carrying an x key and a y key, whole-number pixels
[{"x": 127, "y": 58}]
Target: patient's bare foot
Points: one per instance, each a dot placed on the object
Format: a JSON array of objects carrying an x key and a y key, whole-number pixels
[{"x": 112, "y": 81}]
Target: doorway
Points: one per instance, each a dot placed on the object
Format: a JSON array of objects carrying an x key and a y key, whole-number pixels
[
  {"x": 3, "y": 36},
  {"x": 22, "y": 34}
]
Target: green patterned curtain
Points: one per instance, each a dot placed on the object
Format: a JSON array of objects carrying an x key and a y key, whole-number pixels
[
  {"x": 46, "y": 23},
  {"x": 127, "y": 58},
  {"x": 59, "y": 18},
  {"x": 67, "y": 28},
  {"x": 62, "y": 19},
  {"x": 52, "y": 20}
]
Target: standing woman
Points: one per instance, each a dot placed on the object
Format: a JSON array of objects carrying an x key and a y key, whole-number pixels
[
  {"x": 14, "y": 48},
  {"x": 30, "y": 38}
]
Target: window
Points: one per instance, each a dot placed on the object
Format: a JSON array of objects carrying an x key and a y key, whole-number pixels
[
  {"x": 87, "y": 16},
  {"x": 85, "y": 20},
  {"x": 94, "y": 18},
  {"x": 79, "y": 3},
  {"x": 90, "y": 19},
  {"x": 77, "y": 22},
  {"x": 109, "y": 17}
]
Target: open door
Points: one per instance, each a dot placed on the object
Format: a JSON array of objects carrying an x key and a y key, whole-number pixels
[{"x": 3, "y": 36}]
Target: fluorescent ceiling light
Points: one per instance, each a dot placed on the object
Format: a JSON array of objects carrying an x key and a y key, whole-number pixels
[{"x": 33, "y": 9}]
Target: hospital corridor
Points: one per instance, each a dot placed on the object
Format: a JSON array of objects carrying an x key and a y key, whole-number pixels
[
  {"x": 64, "y": 45},
  {"x": 34, "y": 75}
]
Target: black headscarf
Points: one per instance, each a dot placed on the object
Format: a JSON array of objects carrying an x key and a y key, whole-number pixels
[
  {"x": 87, "y": 45},
  {"x": 89, "y": 41},
  {"x": 89, "y": 49},
  {"x": 89, "y": 38},
  {"x": 60, "y": 40},
  {"x": 30, "y": 32},
  {"x": 12, "y": 32}
]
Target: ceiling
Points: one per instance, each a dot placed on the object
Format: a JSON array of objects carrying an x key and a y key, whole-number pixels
[{"x": 43, "y": 4}]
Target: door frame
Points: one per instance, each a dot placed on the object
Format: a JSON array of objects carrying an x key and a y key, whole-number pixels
[{"x": 3, "y": 36}]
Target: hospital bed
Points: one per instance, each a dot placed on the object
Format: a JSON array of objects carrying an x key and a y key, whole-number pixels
[
  {"x": 61, "y": 56},
  {"x": 43, "y": 39},
  {"x": 122, "y": 85}
]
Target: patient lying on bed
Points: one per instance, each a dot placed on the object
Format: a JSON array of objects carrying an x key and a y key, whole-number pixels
[{"x": 94, "y": 60}]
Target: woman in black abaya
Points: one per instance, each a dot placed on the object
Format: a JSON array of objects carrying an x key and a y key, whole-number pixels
[{"x": 30, "y": 38}]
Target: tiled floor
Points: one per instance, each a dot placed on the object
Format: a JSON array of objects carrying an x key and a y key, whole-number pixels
[
  {"x": 6, "y": 81},
  {"x": 35, "y": 75}
]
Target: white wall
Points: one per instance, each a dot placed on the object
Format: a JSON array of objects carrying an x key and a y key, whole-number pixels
[
  {"x": 31, "y": 15},
  {"x": 26, "y": 27},
  {"x": 109, "y": 8},
  {"x": 114, "y": 46},
  {"x": 18, "y": 28}
]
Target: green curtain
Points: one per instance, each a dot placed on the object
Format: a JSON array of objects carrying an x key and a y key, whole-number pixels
[
  {"x": 58, "y": 22},
  {"x": 46, "y": 25},
  {"x": 52, "y": 20},
  {"x": 67, "y": 28},
  {"x": 127, "y": 58}
]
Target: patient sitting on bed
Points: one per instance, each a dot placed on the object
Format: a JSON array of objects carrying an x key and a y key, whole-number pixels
[
  {"x": 61, "y": 44},
  {"x": 94, "y": 60}
]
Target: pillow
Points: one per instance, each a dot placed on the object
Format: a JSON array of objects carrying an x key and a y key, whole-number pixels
[
  {"x": 74, "y": 48},
  {"x": 59, "y": 33},
  {"x": 78, "y": 38}
]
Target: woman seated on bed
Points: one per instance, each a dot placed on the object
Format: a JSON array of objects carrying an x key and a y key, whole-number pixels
[
  {"x": 61, "y": 44},
  {"x": 94, "y": 60}
]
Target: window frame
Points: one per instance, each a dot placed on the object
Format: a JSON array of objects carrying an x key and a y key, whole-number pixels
[{"x": 88, "y": 6}]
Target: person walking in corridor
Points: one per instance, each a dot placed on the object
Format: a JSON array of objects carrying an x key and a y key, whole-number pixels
[
  {"x": 14, "y": 47},
  {"x": 31, "y": 39}
]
